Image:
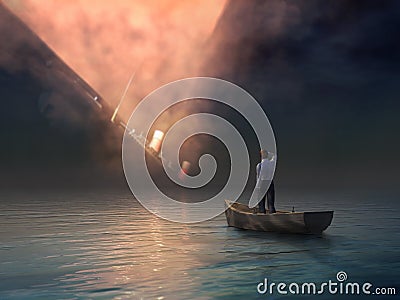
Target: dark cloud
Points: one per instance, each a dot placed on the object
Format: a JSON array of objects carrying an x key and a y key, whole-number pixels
[{"x": 326, "y": 74}]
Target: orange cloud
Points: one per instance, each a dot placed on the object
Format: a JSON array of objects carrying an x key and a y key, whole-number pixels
[{"x": 105, "y": 41}]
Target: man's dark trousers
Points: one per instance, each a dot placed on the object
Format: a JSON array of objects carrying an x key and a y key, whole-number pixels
[{"x": 270, "y": 195}]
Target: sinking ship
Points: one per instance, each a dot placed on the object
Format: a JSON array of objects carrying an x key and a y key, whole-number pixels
[{"x": 56, "y": 77}]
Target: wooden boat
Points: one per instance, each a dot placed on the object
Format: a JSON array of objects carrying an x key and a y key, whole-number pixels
[{"x": 241, "y": 216}]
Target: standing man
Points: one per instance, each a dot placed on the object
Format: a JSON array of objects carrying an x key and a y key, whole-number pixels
[{"x": 265, "y": 171}]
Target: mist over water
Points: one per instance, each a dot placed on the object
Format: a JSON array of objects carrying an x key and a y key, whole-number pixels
[{"x": 104, "y": 245}]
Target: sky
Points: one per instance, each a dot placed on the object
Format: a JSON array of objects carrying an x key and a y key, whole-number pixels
[{"x": 325, "y": 72}]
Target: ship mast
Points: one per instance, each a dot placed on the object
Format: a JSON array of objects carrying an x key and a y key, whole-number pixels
[{"x": 139, "y": 138}]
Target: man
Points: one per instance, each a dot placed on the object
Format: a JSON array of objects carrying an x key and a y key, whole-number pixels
[{"x": 265, "y": 170}]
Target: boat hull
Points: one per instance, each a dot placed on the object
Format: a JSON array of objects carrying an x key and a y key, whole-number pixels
[{"x": 241, "y": 216}]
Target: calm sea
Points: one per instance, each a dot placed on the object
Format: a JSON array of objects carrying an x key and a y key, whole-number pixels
[{"x": 105, "y": 245}]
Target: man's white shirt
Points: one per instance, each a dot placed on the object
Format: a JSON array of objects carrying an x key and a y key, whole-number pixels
[{"x": 265, "y": 170}]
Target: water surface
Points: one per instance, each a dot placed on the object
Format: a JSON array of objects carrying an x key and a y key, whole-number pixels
[{"x": 105, "y": 245}]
